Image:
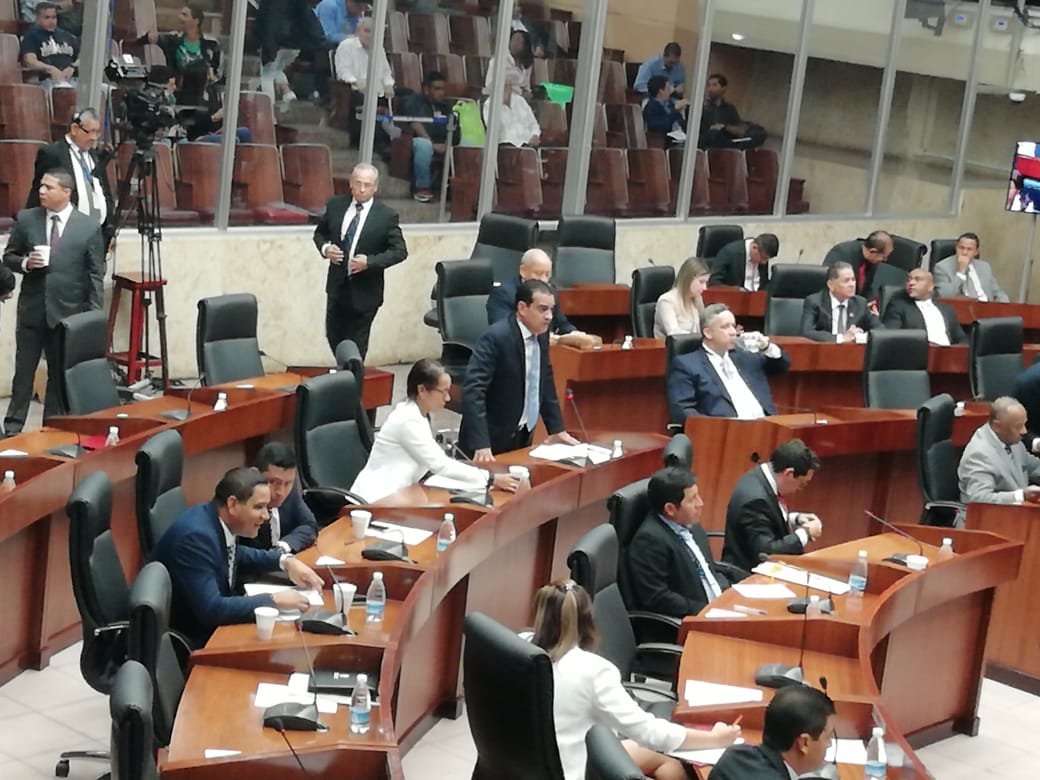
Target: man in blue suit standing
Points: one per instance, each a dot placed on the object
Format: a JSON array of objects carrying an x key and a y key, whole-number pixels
[
  {"x": 207, "y": 566},
  {"x": 291, "y": 526},
  {"x": 719, "y": 380}
]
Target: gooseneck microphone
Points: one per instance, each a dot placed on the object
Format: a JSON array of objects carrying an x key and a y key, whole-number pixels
[
  {"x": 279, "y": 361},
  {"x": 781, "y": 675},
  {"x": 584, "y": 432},
  {"x": 471, "y": 497},
  {"x": 183, "y": 414},
  {"x": 293, "y": 716},
  {"x": 900, "y": 558}
]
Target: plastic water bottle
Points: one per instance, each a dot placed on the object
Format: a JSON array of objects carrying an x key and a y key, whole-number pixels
[
  {"x": 220, "y": 405},
  {"x": 812, "y": 609},
  {"x": 877, "y": 761},
  {"x": 360, "y": 706},
  {"x": 858, "y": 575},
  {"x": 8, "y": 485},
  {"x": 446, "y": 534},
  {"x": 375, "y": 601},
  {"x": 946, "y": 550},
  {"x": 627, "y": 343},
  {"x": 618, "y": 449},
  {"x": 113, "y": 436}
]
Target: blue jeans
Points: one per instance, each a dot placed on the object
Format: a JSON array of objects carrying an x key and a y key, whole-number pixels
[
  {"x": 422, "y": 159},
  {"x": 242, "y": 135}
]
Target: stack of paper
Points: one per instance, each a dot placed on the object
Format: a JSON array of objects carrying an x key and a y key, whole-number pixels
[
  {"x": 571, "y": 452},
  {"x": 771, "y": 590},
  {"x": 448, "y": 483},
  {"x": 328, "y": 560},
  {"x": 700, "y": 693},
  {"x": 797, "y": 576},
  {"x": 715, "y": 613},
  {"x": 706, "y": 757},
  {"x": 394, "y": 533},
  {"x": 262, "y": 589},
  {"x": 849, "y": 751},
  {"x": 269, "y": 694}
]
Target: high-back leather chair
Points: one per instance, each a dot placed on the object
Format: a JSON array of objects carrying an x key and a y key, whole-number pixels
[
  {"x": 648, "y": 284},
  {"x": 508, "y": 685},
  {"x": 906, "y": 253},
  {"x": 158, "y": 496},
  {"x": 584, "y": 252},
  {"x": 940, "y": 249},
  {"x": 885, "y": 294},
  {"x": 789, "y": 285},
  {"x": 463, "y": 287},
  {"x": 711, "y": 238},
  {"x": 133, "y": 743},
  {"x": 937, "y": 460},
  {"x": 995, "y": 357},
  {"x": 503, "y": 239},
  {"x": 226, "y": 348},
  {"x": 85, "y": 383},
  {"x": 895, "y": 369},
  {"x": 675, "y": 346},
  {"x": 348, "y": 358},
  {"x": 678, "y": 453},
  {"x": 607, "y": 758}
]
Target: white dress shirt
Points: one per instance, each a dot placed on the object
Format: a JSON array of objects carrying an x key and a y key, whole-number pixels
[
  {"x": 972, "y": 274},
  {"x": 791, "y": 518},
  {"x": 63, "y": 220},
  {"x": 934, "y": 323},
  {"x": 835, "y": 311},
  {"x": 528, "y": 361},
  {"x": 751, "y": 276},
  {"x": 403, "y": 451},
  {"x": 366, "y": 209},
  {"x": 80, "y": 159},
  {"x": 352, "y": 66},
  {"x": 744, "y": 401}
]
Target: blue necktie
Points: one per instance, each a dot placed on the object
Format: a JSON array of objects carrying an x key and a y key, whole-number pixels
[{"x": 533, "y": 382}]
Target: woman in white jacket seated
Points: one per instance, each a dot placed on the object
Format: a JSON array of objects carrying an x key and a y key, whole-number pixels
[
  {"x": 679, "y": 310},
  {"x": 405, "y": 449},
  {"x": 587, "y": 690}
]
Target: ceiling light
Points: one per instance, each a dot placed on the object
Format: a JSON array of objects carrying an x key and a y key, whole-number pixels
[{"x": 737, "y": 36}]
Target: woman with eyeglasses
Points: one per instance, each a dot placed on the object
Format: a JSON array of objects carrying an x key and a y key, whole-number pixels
[
  {"x": 587, "y": 690},
  {"x": 405, "y": 449}
]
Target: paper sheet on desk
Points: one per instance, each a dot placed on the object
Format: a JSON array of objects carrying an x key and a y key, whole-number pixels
[
  {"x": 220, "y": 753},
  {"x": 699, "y": 693},
  {"x": 559, "y": 452},
  {"x": 850, "y": 751},
  {"x": 797, "y": 576},
  {"x": 394, "y": 532},
  {"x": 299, "y": 681},
  {"x": 13, "y": 454},
  {"x": 263, "y": 589},
  {"x": 772, "y": 590},
  {"x": 716, "y": 613},
  {"x": 269, "y": 694},
  {"x": 328, "y": 560},
  {"x": 448, "y": 483},
  {"x": 707, "y": 757}
]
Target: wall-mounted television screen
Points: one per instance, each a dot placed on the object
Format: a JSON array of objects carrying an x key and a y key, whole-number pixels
[{"x": 1024, "y": 182}]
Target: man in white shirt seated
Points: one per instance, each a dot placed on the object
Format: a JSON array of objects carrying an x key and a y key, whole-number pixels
[
  {"x": 917, "y": 309},
  {"x": 995, "y": 467},
  {"x": 964, "y": 275},
  {"x": 517, "y": 123},
  {"x": 352, "y": 56}
]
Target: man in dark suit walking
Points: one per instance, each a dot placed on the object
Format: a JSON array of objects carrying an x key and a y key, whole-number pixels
[
  {"x": 61, "y": 255},
  {"x": 916, "y": 309},
  {"x": 836, "y": 313},
  {"x": 668, "y": 561},
  {"x": 869, "y": 260},
  {"x": 361, "y": 238},
  {"x": 745, "y": 263},
  {"x": 757, "y": 518},
  {"x": 291, "y": 526},
  {"x": 719, "y": 380},
  {"x": 74, "y": 154},
  {"x": 509, "y": 381}
]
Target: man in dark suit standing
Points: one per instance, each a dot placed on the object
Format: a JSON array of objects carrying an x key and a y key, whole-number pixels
[
  {"x": 206, "y": 563},
  {"x": 745, "y": 263},
  {"x": 836, "y": 313},
  {"x": 869, "y": 260},
  {"x": 61, "y": 255},
  {"x": 757, "y": 518},
  {"x": 668, "y": 561},
  {"x": 509, "y": 381},
  {"x": 74, "y": 154},
  {"x": 719, "y": 380},
  {"x": 917, "y": 309},
  {"x": 291, "y": 526},
  {"x": 361, "y": 238}
]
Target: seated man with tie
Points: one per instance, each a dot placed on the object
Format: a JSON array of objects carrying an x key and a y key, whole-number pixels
[
  {"x": 917, "y": 309},
  {"x": 724, "y": 378},
  {"x": 757, "y": 518},
  {"x": 836, "y": 313},
  {"x": 669, "y": 561},
  {"x": 869, "y": 260},
  {"x": 291, "y": 526},
  {"x": 995, "y": 467},
  {"x": 964, "y": 275},
  {"x": 745, "y": 263},
  {"x": 207, "y": 565}
]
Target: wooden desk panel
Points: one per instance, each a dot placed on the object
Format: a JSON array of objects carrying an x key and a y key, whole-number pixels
[{"x": 601, "y": 309}]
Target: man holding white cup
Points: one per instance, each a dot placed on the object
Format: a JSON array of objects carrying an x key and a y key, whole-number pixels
[{"x": 61, "y": 255}]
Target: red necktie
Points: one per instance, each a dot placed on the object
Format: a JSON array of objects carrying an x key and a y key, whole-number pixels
[{"x": 861, "y": 278}]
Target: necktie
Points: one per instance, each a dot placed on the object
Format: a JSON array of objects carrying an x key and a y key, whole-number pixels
[
  {"x": 712, "y": 589},
  {"x": 533, "y": 382},
  {"x": 842, "y": 320},
  {"x": 231, "y": 565},
  {"x": 55, "y": 234},
  {"x": 274, "y": 528},
  {"x": 352, "y": 228},
  {"x": 970, "y": 289},
  {"x": 861, "y": 279},
  {"x": 728, "y": 369},
  {"x": 88, "y": 182}
]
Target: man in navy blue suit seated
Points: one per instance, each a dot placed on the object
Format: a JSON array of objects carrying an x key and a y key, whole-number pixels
[
  {"x": 724, "y": 378},
  {"x": 291, "y": 526},
  {"x": 660, "y": 112},
  {"x": 207, "y": 566}
]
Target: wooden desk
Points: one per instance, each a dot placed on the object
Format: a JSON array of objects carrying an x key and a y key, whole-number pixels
[
  {"x": 968, "y": 311},
  {"x": 601, "y": 309}
]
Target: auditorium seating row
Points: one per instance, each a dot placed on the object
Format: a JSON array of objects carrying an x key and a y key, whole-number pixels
[{"x": 467, "y": 34}]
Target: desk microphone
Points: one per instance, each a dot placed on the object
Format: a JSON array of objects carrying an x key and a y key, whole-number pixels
[
  {"x": 798, "y": 606},
  {"x": 385, "y": 550},
  {"x": 899, "y": 558},
  {"x": 293, "y": 716},
  {"x": 585, "y": 433},
  {"x": 781, "y": 675},
  {"x": 69, "y": 450},
  {"x": 469, "y": 496},
  {"x": 183, "y": 414}
]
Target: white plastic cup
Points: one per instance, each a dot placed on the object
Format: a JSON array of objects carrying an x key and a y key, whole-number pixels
[
  {"x": 861, "y": 338},
  {"x": 344, "y": 593},
  {"x": 359, "y": 519},
  {"x": 917, "y": 562},
  {"x": 44, "y": 251},
  {"x": 521, "y": 473},
  {"x": 265, "y": 620}
]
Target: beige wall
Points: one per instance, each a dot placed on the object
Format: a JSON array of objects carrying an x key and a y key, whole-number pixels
[{"x": 642, "y": 29}]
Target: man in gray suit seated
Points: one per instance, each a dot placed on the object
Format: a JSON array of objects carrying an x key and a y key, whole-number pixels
[
  {"x": 964, "y": 275},
  {"x": 996, "y": 468}
]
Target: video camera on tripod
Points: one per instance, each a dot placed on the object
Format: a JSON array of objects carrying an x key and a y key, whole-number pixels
[{"x": 147, "y": 108}]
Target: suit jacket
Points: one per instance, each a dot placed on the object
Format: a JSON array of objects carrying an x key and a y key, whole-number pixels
[
  {"x": 194, "y": 552},
  {"x": 695, "y": 388},
  {"x": 72, "y": 282},
  {"x": 1027, "y": 391},
  {"x": 755, "y": 523},
  {"x": 493, "y": 391},
  {"x": 380, "y": 240},
  {"x": 949, "y": 285},
  {"x": 750, "y": 762},
  {"x": 729, "y": 264},
  {"x": 878, "y": 275},
  {"x": 989, "y": 474},
  {"x": 296, "y": 526},
  {"x": 902, "y": 313},
  {"x": 663, "y": 574},
  {"x": 662, "y": 117},
  {"x": 58, "y": 157},
  {"x": 501, "y": 303},
  {"x": 817, "y": 320}
]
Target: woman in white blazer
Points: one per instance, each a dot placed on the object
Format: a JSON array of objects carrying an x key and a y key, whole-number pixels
[
  {"x": 679, "y": 310},
  {"x": 587, "y": 690},
  {"x": 405, "y": 449}
]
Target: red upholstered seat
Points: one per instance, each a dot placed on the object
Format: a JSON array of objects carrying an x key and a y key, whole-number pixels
[
  {"x": 518, "y": 189},
  {"x": 24, "y": 112},
  {"x": 727, "y": 181},
  {"x": 10, "y": 69},
  {"x": 307, "y": 176},
  {"x": 465, "y": 183},
  {"x": 470, "y": 34},
  {"x": 165, "y": 184},
  {"x": 648, "y": 187},
  {"x": 256, "y": 112},
  {"x": 256, "y": 184},
  {"x": 17, "y": 159},
  {"x": 428, "y": 33},
  {"x": 607, "y": 192}
]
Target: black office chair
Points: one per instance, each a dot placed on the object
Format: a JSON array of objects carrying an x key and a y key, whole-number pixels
[
  {"x": 940, "y": 249},
  {"x": 133, "y": 743},
  {"x": 895, "y": 369},
  {"x": 678, "y": 453},
  {"x": 937, "y": 460},
  {"x": 85, "y": 383},
  {"x": 158, "y": 496},
  {"x": 584, "y": 252},
  {"x": 676, "y": 346},
  {"x": 102, "y": 595},
  {"x": 648, "y": 284},
  {"x": 330, "y": 446},
  {"x": 607, "y": 758},
  {"x": 348, "y": 358},
  {"x": 885, "y": 295},
  {"x": 995, "y": 357},
  {"x": 790, "y": 284},
  {"x": 226, "y": 348},
  {"x": 711, "y": 238},
  {"x": 907, "y": 253},
  {"x": 502, "y": 240},
  {"x": 463, "y": 289},
  {"x": 508, "y": 687}
]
